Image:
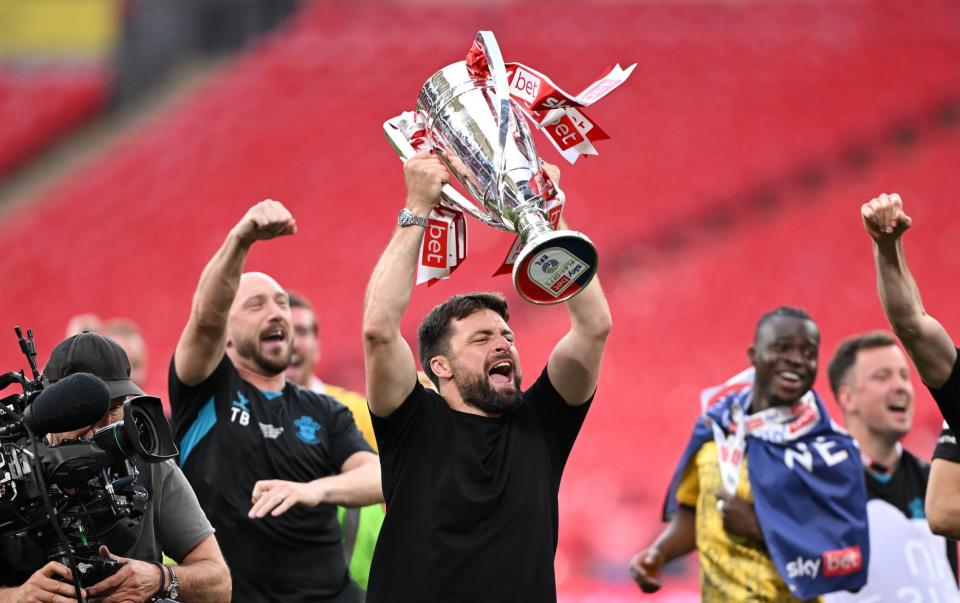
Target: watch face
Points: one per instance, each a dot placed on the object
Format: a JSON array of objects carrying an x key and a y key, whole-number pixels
[
  {"x": 173, "y": 591},
  {"x": 408, "y": 218}
]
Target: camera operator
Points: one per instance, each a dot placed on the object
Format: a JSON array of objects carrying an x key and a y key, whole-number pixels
[{"x": 172, "y": 522}]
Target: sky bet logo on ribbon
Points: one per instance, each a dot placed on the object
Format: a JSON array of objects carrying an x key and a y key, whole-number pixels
[
  {"x": 307, "y": 430},
  {"x": 842, "y": 561},
  {"x": 525, "y": 85},
  {"x": 835, "y": 563}
]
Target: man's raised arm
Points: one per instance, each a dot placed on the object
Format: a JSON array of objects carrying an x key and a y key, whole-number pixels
[
  {"x": 203, "y": 341},
  {"x": 574, "y": 365},
  {"x": 390, "y": 367},
  {"x": 923, "y": 336}
]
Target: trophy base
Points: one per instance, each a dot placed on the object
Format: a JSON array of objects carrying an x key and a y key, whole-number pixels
[{"x": 555, "y": 266}]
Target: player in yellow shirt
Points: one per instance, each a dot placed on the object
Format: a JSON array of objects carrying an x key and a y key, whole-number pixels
[{"x": 769, "y": 491}]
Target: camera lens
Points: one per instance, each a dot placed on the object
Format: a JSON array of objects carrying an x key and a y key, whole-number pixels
[{"x": 146, "y": 431}]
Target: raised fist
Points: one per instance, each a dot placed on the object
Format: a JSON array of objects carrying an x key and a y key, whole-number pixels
[
  {"x": 884, "y": 219},
  {"x": 265, "y": 220},
  {"x": 425, "y": 174}
]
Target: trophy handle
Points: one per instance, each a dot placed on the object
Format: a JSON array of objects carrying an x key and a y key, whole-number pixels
[
  {"x": 452, "y": 196},
  {"x": 501, "y": 89}
]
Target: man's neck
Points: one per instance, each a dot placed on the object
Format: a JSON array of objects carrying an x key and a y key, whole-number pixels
[
  {"x": 270, "y": 383},
  {"x": 758, "y": 402},
  {"x": 314, "y": 384},
  {"x": 880, "y": 450}
]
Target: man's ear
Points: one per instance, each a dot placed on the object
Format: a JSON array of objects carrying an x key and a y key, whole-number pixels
[
  {"x": 441, "y": 367},
  {"x": 845, "y": 399},
  {"x": 752, "y": 355}
]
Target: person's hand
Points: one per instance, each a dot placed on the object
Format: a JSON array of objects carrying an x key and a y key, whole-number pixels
[
  {"x": 738, "y": 515},
  {"x": 135, "y": 581},
  {"x": 645, "y": 569},
  {"x": 425, "y": 174},
  {"x": 552, "y": 172},
  {"x": 43, "y": 586},
  {"x": 275, "y": 496},
  {"x": 265, "y": 220},
  {"x": 884, "y": 218}
]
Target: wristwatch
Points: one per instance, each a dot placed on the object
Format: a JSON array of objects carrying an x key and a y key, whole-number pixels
[
  {"x": 408, "y": 218},
  {"x": 173, "y": 591}
]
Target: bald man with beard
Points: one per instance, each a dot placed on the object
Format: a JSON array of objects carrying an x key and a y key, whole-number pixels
[{"x": 268, "y": 459}]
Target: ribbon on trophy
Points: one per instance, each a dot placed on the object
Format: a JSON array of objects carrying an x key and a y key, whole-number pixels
[{"x": 552, "y": 110}]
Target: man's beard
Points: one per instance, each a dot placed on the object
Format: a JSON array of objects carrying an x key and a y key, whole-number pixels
[
  {"x": 478, "y": 393},
  {"x": 247, "y": 348}
]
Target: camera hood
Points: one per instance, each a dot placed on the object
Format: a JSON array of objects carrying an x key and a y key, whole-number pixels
[{"x": 147, "y": 432}]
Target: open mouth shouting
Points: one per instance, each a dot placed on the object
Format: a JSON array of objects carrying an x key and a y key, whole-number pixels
[
  {"x": 899, "y": 407},
  {"x": 501, "y": 372},
  {"x": 273, "y": 337}
]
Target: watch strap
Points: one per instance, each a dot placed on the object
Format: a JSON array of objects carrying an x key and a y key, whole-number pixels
[
  {"x": 408, "y": 218},
  {"x": 173, "y": 590}
]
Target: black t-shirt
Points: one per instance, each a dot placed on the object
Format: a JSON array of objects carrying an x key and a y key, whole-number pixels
[
  {"x": 231, "y": 435},
  {"x": 947, "y": 448},
  {"x": 948, "y": 396},
  {"x": 906, "y": 489},
  {"x": 471, "y": 500}
]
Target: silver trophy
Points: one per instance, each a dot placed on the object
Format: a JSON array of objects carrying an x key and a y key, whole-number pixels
[{"x": 483, "y": 138}]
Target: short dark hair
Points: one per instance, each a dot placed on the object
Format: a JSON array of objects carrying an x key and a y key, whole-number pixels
[
  {"x": 846, "y": 355},
  {"x": 433, "y": 337},
  {"x": 781, "y": 311},
  {"x": 299, "y": 301}
]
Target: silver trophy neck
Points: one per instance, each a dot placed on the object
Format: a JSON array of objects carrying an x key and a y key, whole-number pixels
[{"x": 531, "y": 223}]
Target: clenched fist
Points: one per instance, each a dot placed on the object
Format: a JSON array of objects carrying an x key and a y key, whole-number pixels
[
  {"x": 425, "y": 174},
  {"x": 645, "y": 569},
  {"x": 884, "y": 218},
  {"x": 739, "y": 516},
  {"x": 265, "y": 220}
]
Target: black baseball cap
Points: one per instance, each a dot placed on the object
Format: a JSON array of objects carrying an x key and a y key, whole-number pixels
[{"x": 96, "y": 354}]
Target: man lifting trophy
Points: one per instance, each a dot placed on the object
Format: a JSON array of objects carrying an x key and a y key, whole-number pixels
[{"x": 473, "y": 115}]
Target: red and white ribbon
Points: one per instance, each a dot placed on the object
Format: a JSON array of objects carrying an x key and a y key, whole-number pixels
[
  {"x": 444, "y": 245},
  {"x": 552, "y": 110}
]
